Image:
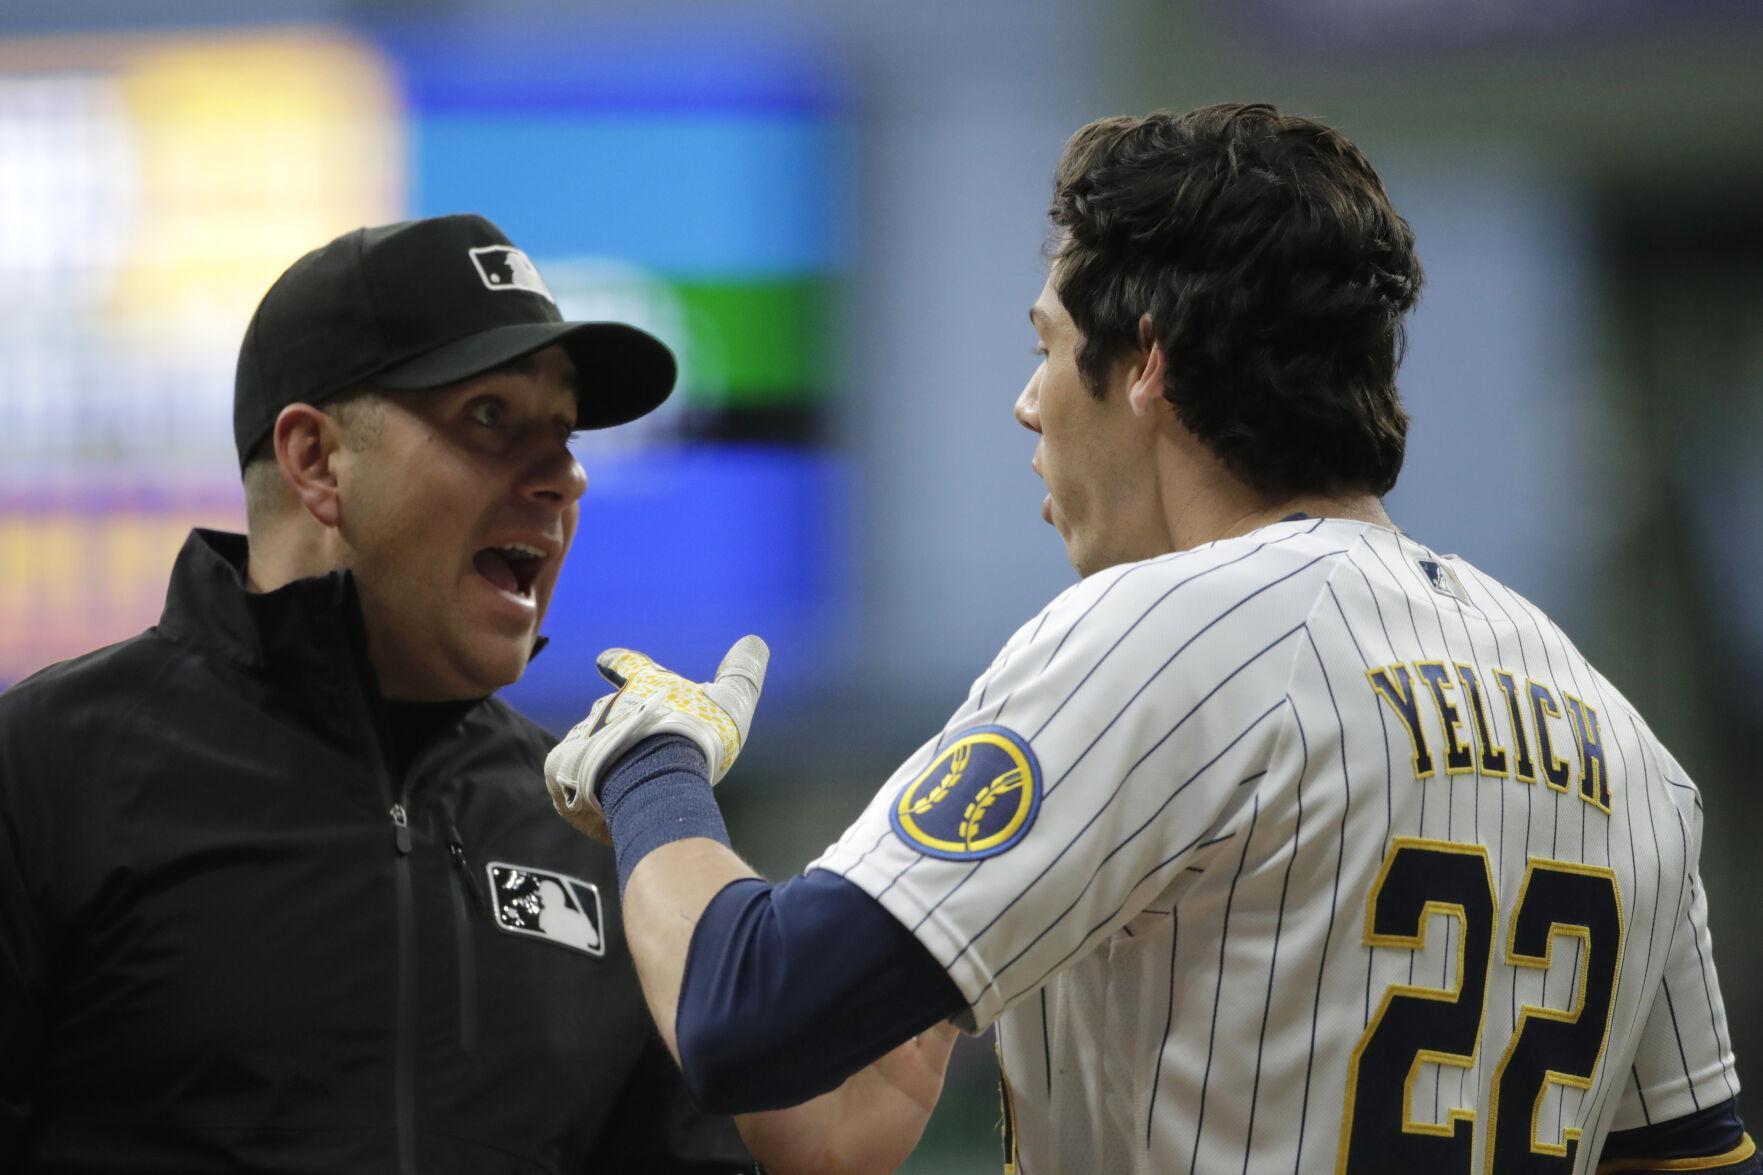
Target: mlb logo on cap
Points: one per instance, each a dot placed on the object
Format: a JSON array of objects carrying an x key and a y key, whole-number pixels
[
  {"x": 503, "y": 267},
  {"x": 553, "y": 906}
]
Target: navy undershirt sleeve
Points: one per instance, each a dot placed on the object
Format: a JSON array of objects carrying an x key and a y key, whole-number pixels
[{"x": 789, "y": 989}]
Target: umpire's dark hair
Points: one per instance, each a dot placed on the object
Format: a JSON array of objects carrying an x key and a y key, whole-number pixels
[{"x": 1275, "y": 272}]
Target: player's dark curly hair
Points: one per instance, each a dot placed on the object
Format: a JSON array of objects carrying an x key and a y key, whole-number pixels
[{"x": 1276, "y": 274}]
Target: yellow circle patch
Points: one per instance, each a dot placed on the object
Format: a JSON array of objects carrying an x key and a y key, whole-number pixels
[{"x": 976, "y": 799}]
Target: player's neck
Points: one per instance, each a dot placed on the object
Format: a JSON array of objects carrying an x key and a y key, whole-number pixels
[
  {"x": 1204, "y": 501},
  {"x": 1353, "y": 507}
]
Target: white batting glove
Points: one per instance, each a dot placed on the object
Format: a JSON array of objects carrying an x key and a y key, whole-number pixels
[{"x": 651, "y": 700}]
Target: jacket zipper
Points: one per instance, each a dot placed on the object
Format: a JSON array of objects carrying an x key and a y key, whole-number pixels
[
  {"x": 464, "y": 939},
  {"x": 403, "y": 1077},
  {"x": 372, "y": 719}
]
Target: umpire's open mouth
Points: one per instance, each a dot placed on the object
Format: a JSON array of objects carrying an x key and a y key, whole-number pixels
[{"x": 514, "y": 568}]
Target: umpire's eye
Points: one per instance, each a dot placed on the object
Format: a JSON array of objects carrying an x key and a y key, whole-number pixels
[{"x": 488, "y": 411}]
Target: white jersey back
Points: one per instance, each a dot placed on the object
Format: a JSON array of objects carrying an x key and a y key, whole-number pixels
[{"x": 1308, "y": 851}]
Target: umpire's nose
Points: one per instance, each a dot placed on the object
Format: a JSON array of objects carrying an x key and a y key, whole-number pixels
[{"x": 555, "y": 477}]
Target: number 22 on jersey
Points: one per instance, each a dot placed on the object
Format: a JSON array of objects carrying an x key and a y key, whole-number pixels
[{"x": 1414, "y": 1026}]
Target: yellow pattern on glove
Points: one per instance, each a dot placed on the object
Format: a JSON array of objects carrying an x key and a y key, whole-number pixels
[
  {"x": 642, "y": 680},
  {"x": 651, "y": 700}
]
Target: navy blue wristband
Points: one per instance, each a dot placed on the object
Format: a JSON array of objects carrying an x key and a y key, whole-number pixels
[{"x": 657, "y": 793}]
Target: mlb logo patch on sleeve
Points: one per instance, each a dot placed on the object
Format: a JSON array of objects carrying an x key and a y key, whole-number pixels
[{"x": 552, "y": 906}]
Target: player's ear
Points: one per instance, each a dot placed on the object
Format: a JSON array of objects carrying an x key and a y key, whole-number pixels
[
  {"x": 1149, "y": 371},
  {"x": 306, "y": 445}
]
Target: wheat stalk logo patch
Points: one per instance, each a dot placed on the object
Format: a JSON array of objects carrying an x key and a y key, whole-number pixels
[{"x": 976, "y": 799}]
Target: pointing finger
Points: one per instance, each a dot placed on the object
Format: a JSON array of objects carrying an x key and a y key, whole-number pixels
[{"x": 617, "y": 665}]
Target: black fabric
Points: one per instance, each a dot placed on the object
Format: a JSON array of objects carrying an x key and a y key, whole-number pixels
[
  {"x": 1717, "y": 1130},
  {"x": 220, "y": 952},
  {"x": 409, "y": 727}
]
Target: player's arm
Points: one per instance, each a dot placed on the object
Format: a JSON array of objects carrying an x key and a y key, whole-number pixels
[
  {"x": 807, "y": 981},
  {"x": 1679, "y": 1108},
  {"x": 767, "y": 996},
  {"x": 804, "y": 995},
  {"x": 1710, "y": 1142}
]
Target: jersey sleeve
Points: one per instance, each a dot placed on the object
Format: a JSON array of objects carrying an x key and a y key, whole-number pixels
[
  {"x": 1105, "y": 750},
  {"x": 1684, "y": 1061}
]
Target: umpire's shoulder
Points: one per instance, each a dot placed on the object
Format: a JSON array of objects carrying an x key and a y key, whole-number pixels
[
  {"x": 112, "y": 666},
  {"x": 84, "y": 693},
  {"x": 65, "y": 721}
]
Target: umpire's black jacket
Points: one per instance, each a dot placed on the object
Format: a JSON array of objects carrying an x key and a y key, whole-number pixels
[{"x": 235, "y": 935}]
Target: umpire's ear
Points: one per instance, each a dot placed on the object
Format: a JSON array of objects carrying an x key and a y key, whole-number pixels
[{"x": 306, "y": 443}]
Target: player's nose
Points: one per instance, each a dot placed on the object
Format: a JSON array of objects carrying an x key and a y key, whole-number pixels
[{"x": 1028, "y": 404}]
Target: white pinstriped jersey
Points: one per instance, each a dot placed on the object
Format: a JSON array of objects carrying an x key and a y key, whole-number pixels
[{"x": 1307, "y": 851}]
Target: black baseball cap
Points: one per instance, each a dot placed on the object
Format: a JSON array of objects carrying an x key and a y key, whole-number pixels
[{"x": 421, "y": 304}]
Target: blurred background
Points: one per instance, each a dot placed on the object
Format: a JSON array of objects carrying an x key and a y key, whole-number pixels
[{"x": 835, "y": 213}]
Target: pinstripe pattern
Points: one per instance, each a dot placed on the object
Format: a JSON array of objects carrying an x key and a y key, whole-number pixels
[{"x": 1213, "y": 757}]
